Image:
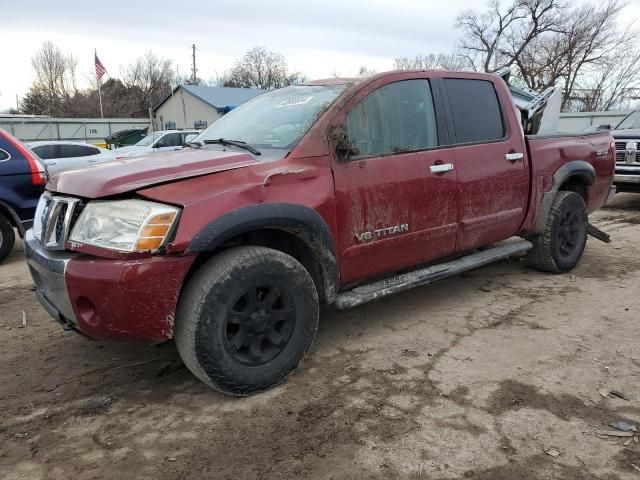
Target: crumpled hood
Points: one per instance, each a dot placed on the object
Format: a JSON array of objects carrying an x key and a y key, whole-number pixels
[{"x": 131, "y": 174}]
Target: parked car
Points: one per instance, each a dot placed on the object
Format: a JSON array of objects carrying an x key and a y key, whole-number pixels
[
  {"x": 160, "y": 141},
  {"x": 627, "y": 138},
  {"x": 334, "y": 192},
  {"x": 59, "y": 156},
  {"x": 22, "y": 180}
]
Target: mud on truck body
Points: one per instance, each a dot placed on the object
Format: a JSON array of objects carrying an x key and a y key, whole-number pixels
[{"x": 334, "y": 192}]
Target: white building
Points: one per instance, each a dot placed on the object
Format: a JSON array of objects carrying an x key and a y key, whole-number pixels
[{"x": 194, "y": 106}]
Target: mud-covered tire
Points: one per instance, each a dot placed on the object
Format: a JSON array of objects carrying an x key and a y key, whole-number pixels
[
  {"x": 7, "y": 237},
  {"x": 560, "y": 246},
  {"x": 246, "y": 319}
]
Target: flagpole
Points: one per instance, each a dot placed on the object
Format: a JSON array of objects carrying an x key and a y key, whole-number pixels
[
  {"x": 99, "y": 90},
  {"x": 100, "y": 96}
]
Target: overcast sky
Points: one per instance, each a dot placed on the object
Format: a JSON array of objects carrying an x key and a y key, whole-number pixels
[{"x": 317, "y": 38}]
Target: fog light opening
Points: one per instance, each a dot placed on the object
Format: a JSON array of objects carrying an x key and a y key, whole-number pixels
[{"x": 87, "y": 311}]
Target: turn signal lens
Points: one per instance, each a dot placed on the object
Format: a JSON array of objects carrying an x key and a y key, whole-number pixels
[
  {"x": 155, "y": 231},
  {"x": 153, "y": 234},
  {"x": 165, "y": 218},
  {"x": 151, "y": 243}
]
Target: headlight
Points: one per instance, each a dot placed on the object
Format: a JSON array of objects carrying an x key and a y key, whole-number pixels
[{"x": 125, "y": 225}]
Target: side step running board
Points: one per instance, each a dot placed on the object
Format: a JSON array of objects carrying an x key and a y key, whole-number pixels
[{"x": 425, "y": 276}]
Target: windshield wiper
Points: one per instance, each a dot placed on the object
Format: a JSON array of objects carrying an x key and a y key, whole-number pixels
[
  {"x": 236, "y": 143},
  {"x": 192, "y": 144}
]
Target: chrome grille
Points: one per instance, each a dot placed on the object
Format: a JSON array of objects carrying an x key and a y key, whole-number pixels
[
  {"x": 627, "y": 155},
  {"x": 53, "y": 220}
]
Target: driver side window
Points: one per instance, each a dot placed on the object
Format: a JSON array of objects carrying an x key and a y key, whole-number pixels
[{"x": 395, "y": 118}]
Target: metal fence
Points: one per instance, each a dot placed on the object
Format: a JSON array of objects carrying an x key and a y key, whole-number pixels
[
  {"x": 91, "y": 130},
  {"x": 579, "y": 121}
]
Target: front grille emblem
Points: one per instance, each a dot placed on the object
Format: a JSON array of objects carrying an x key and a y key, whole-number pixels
[
  {"x": 631, "y": 151},
  {"x": 56, "y": 221}
]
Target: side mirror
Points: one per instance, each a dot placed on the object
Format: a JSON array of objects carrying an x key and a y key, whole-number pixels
[
  {"x": 190, "y": 137},
  {"x": 339, "y": 140},
  {"x": 606, "y": 126},
  {"x": 158, "y": 144}
]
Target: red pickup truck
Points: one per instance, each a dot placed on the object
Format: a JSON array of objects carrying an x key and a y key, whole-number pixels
[{"x": 333, "y": 192}]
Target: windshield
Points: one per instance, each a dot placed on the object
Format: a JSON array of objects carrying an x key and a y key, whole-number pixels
[
  {"x": 631, "y": 121},
  {"x": 276, "y": 119},
  {"x": 149, "y": 139}
]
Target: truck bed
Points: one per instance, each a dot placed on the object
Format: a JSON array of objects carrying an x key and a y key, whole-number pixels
[{"x": 547, "y": 154}]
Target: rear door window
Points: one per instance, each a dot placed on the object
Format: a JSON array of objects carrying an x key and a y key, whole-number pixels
[
  {"x": 395, "y": 118},
  {"x": 70, "y": 151},
  {"x": 4, "y": 155},
  {"x": 475, "y": 109},
  {"x": 45, "y": 152}
]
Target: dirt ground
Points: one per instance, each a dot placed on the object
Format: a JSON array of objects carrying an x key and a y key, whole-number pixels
[{"x": 474, "y": 377}]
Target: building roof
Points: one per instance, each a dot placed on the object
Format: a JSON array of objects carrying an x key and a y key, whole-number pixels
[{"x": 220, "y": 98}]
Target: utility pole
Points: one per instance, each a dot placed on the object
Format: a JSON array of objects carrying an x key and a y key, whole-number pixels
[{"x": 193, "y": 68}]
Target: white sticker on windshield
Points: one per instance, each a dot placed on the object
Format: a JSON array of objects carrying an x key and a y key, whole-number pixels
[{"x": 290, "y": 102}]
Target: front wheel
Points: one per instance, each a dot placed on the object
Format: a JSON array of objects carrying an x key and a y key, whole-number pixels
[
  {"x": 559, "y": 248},
  {"x": 246, "y": 319}
]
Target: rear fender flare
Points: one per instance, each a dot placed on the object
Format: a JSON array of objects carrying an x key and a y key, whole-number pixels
[
  {"x": 574, "y": 169},
  {"x": 303, "y": 222}
]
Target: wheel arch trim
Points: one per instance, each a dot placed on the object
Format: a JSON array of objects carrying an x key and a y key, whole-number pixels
[
  {"x": 303, "y": 222},
  {"x": 580, "y": 169}
]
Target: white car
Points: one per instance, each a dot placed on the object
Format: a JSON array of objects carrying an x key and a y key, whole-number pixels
[
  {"x": 59, "y": 156},
  {"x": 162, "y": 140}
]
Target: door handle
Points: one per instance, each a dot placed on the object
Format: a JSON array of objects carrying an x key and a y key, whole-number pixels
[
  {"x": 514, "y": 156},
  {"x": 441, "y": 168}
]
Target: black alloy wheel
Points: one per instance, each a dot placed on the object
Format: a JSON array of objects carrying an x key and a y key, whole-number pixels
[
  {"x": 568, "y": 233},
  {"x": 259, "y": 325}
]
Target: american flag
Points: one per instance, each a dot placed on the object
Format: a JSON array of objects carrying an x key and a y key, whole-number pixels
[{"x": 100, "y": 70}]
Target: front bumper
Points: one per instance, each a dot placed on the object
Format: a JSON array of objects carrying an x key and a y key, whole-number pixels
[
  {"x": 627, "y": 183},
  {"x": 48, "y": 270},
  {"x": 107, "y": 298}
]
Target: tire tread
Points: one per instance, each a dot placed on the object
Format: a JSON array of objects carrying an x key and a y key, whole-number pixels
[
  {"x": 194, "y": 297},
  {"x": 540, "y": 256}
]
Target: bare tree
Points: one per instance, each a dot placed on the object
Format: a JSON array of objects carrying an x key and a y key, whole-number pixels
[
  {"x": 365, "y": 71},
  {"x": 55, "y": 80},
  {"x": 260, "y": 68},
  {"x": 615, "y": 81},
  {"x": 591, "y": 51},
  {"x": 580, "y": 48},
  {"x": 594, "y": 44},
  {"x": 496, "y": 37},
  {"x": 431, "y": 61},
  {"x": 148, "y": 80}
]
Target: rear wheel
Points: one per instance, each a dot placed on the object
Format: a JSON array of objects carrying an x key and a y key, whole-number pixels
[
  {"x": 246, "y": 319},
  {"x": 7, "y": 237},
  {"x": 559, "y": 248}
]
